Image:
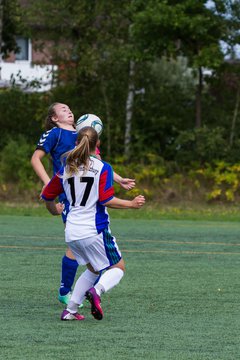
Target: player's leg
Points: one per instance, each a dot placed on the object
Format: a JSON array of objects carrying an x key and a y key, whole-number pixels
[
  {"x": 69, "y": 266},
  {"x": 110, "y": 278},
  {"x": 107, "y": 281},
  {"x": 69, "y": 269},
  {"x": 86, "y": 280},
  {"x": 108, "y": 257}
]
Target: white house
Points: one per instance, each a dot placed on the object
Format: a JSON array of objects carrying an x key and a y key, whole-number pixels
[{"x": 29, "y": 69}]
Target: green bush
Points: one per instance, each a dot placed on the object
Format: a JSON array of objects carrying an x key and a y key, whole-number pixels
[
  {"x": 155, "y": 178},
  {"x": 202, "y": 145},
  {"x": 15, "y": 167},
  {"x": 222, "y": 180},
  {"x": 21, "y": 114}
]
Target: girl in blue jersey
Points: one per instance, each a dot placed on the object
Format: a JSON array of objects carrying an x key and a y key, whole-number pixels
[
  {"x": 88, "y": 185},
  {"x": 59, "y": 138}
]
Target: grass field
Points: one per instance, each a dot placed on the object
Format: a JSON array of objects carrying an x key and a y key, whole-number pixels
[
  {"x": 151, "y": 211},
  {"x": 179, "y": 299}
]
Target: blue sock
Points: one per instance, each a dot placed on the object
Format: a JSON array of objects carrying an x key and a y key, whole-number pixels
[{"x": 69, "y": 269}]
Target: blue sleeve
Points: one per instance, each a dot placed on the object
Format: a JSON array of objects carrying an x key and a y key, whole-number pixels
[{"x": 48, "y": 140}]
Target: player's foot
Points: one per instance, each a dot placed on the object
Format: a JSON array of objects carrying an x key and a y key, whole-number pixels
[
  {"x": 66, "y": 316},
  {"x": 95, "y": 302},
  {"x": 64, "y": 299}
]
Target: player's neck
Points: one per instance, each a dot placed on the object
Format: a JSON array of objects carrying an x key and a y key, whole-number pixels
[{"x": 67, "y": 127}]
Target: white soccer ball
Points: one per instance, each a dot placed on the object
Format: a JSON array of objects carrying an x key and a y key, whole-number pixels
[{"x": 90, "y": 120}]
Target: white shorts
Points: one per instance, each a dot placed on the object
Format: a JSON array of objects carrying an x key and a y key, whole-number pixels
[{"x": 100, "y": 251}]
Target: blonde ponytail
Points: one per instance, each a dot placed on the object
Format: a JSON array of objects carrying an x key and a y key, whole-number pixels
[{"x": 80, "y": 155}]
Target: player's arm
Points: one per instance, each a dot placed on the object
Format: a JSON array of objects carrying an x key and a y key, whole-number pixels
[
  {"x": 117, "y": 203},
  {"x": 53, "y": 189},
  {"x": 125, "y": 183},
  {"x": 106, "y": 192},
  {"x": 38, "y": 167},
  {"x": 53, "y": 208}
]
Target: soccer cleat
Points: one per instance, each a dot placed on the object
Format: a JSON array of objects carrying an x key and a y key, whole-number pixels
[
  {"x": 66, "y": 316},
  {"x": 95, "y": 302},
  {"x": 64, "y": 299}
]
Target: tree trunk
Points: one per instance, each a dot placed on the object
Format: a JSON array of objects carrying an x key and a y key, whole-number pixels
[
  {"x": 235, "y": 115},
  {"x": 199, "y": 99},
  {"x": 1, "y": 30},
  {"x": 129, "y": 110},
  {"x": 108, "y": 118}
]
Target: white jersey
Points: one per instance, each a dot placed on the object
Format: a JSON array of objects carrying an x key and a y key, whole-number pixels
[{"x": 86, "y": 192}]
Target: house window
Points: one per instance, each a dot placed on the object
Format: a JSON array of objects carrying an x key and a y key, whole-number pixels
[{"x": 24, "y": 47}]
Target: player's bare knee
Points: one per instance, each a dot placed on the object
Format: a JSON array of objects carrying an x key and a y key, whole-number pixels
[{"x": 120, "y": 265}]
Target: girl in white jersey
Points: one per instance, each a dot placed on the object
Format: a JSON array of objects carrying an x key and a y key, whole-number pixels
[{"x": 88, "y": 185}]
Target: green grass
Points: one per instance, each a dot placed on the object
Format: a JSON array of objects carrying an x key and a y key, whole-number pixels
[
  {"x": 179, "y": 299},
  {"x": 172, "y": 211}
]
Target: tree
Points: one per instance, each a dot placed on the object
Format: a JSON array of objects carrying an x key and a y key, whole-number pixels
[
  {"x": 92, "y": 50},
  {"x": 1, "y": 26},
  {"x": 104, "y": 50},
  {"x": 129, "y": 110},
  {"x": 190, "y": 28},
  {"x": 10, "y": 26}
]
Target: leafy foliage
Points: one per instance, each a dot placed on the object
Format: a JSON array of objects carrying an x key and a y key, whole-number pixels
[
  {"x": 13, "y": 164},
  {"x": 21, "y": 115},
  {"x": 169, "y": 41},
  {"x": 12, "y": 25},
  {"x": 224, "y": 179},
  {"x": 201, "y": 145}
]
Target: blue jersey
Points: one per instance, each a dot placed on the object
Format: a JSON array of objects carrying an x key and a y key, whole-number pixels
[{"x": 57, "y": 142}]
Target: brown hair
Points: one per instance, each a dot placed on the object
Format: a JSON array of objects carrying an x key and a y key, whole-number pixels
[
  {"x": 86, "y": 144},
  {"x": 49, "y": 123}
]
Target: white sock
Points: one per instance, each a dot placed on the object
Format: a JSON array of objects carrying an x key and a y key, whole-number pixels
[
  {"x": 108, "y": 280},
  {"x": 85, "y": 281}
]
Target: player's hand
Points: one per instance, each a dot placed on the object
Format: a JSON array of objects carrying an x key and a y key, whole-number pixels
[
  {"x": 59, "y": 208},
  {"x": 138, "y": 201},
  {"x": 127, "y": 184}
]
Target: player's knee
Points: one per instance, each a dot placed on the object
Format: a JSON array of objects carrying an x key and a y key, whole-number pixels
[
  {"x": 69, "y": 254},
  {"x": 120, "y": 265}
]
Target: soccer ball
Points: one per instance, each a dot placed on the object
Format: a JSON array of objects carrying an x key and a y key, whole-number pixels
[{"x": 90, "y": 120}]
